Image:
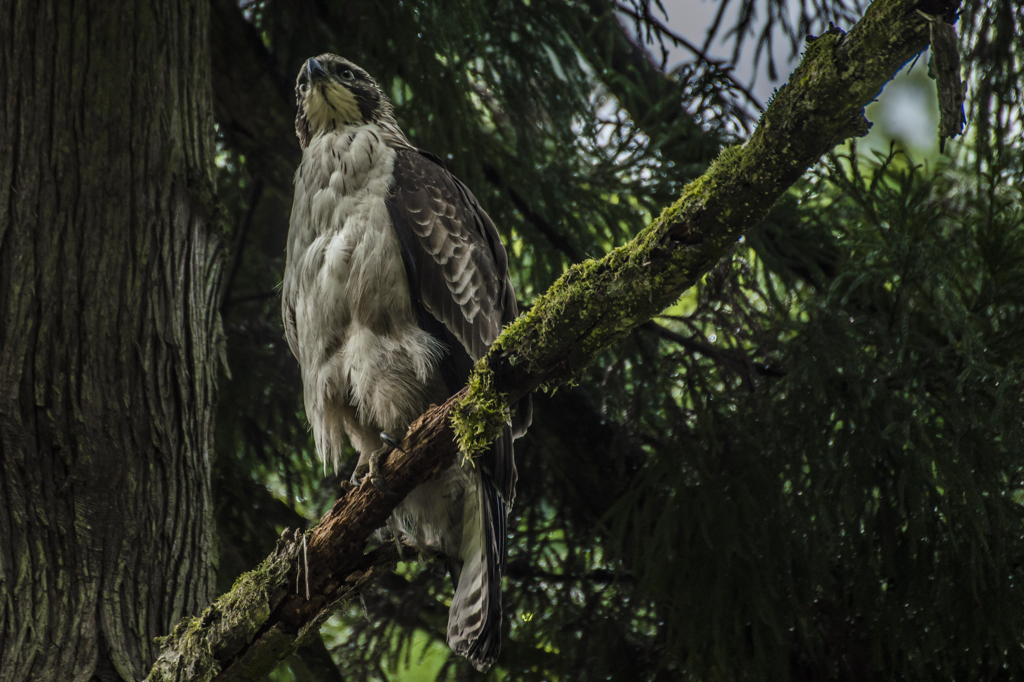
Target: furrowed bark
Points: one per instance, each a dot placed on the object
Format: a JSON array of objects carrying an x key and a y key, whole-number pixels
[
  {"x": 591, "y": 306},
  {"x": 109, "y": 334}
]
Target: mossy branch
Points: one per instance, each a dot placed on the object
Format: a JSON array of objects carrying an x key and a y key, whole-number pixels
[
  {"x": 481, "y": 414},
  {"x": 595, "y": 303},
  {"x": 598, "y": 302},
  {"x": 268, "y": 612}
]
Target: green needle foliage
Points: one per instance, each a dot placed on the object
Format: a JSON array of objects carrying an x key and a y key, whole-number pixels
[{"x": 809, "y": 468}]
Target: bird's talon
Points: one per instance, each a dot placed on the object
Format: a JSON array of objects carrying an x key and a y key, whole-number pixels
[
  {"x": 374, "y": 469},
  {"x": 390, "y": 441},
  {"x": 373, "y": 465}
]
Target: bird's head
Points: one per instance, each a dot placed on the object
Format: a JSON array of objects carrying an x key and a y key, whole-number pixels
[{"x": 332, "y": 92}]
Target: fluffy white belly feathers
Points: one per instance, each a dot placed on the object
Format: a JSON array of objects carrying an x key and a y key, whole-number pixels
[{"x": 367, "y": 366}]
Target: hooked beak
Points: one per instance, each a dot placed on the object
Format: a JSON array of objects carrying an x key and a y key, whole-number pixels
[{"x": 316, "y": 72}]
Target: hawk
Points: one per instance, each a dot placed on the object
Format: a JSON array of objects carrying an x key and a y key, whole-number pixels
[{"x": 396, "y": 283}]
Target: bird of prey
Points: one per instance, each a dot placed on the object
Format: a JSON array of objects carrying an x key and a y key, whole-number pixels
[{"x": 396, "y": 283}]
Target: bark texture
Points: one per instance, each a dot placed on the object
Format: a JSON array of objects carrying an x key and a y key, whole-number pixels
[{"x": 109, "y": 332}]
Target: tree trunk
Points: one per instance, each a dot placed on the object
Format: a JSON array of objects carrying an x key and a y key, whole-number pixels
[{"x": 109, "y": 266}]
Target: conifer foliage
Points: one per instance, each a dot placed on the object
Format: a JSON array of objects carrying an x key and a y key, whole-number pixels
[{"x": 809, "y": 468}]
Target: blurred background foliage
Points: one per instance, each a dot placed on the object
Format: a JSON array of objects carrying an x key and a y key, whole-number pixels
[{"x": 809, "y": 468}]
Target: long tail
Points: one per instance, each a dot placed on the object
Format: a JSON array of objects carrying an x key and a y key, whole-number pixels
[{"x": 474, "y": 620}]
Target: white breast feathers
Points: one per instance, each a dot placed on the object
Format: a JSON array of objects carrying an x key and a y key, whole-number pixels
[{"x": 366, "y": 364}]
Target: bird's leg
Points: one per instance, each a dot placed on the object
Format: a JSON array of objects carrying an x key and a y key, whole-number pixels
[
  {"x": 377, "y": 456},
  {"x": 371, "y": 467},
  {"x": 400, "y": 547}
]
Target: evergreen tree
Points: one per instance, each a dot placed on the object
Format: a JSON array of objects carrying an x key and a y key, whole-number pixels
[{"x": 808, "y": 468}]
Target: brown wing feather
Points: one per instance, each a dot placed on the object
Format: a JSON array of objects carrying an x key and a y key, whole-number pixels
[
  {"x": 460, "y": 266},
  {"x": 458, "y": 274}
]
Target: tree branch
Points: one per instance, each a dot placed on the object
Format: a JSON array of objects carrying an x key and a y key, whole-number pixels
[
  {"x": 266, "y": 615},
  {"x": 550, "y": 233},
  {"x": 595, "y": 303},
  {"x": 641, "y": 88},
  {"x": 720, "y": 66},
  {"x": 718, "y": 354}
]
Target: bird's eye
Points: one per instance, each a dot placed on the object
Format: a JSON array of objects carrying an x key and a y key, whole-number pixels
[
  {"x": 347, "y": 75},
  {"x": 303, "y": 87}
]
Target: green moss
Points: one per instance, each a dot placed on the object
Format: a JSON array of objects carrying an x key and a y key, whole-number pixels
[
  {"x": 481, "y": 415},
  {"x": 225, "y": 625},
  {"x": 598, "y": 301}
]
